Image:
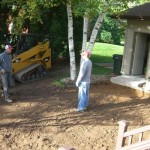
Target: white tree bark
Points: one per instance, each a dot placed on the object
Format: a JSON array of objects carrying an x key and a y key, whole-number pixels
[
  {"x": 95, "y": 31},
  {"x": 71, "y": 43},
  {"x": 85, "y": 32}
]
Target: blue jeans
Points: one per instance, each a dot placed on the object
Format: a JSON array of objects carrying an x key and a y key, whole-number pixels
[
  {"x": 6, "y": 81},
  {"x": 83, "y": 95}
]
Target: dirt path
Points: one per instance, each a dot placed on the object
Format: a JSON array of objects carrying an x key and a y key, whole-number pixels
[{"x": 42, "y": 117}]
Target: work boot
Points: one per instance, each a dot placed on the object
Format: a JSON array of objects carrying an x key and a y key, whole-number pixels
[{"x": 8, "y": 100}]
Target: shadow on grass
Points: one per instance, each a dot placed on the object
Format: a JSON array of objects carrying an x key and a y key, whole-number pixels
[{"x": 101, "y": 59}]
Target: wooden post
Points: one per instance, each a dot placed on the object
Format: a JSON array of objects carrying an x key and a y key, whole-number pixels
[{"x": 122, "y": 128}]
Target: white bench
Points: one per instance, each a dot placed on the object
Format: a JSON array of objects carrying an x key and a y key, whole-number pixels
[{"x": 124, "y": 136}]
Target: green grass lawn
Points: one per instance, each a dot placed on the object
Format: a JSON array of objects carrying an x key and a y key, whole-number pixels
[{"x": 103, "y": 53}]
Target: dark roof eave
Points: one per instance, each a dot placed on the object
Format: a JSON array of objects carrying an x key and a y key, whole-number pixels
[
  {"x": 130, "y": 17},
  {"x": 137, "y": 12},
  {"x": 135, "y": 17}
]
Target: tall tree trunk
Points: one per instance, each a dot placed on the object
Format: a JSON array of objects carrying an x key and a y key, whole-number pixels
[
  {"x": 95, "y": 31},
  {"x": 71, "y": 43},
  {"x": 85, "y": 32}
]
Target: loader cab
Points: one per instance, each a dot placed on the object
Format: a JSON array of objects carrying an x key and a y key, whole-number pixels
[
  {"x": 26, "y": 42},
  {"x": 22, "y": 42}
]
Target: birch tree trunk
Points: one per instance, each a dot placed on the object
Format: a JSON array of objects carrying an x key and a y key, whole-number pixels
[
  {"x": 95, "y": 31},
  {"x": 85, "y": 32},
  {"x": 71, "y": 43}
]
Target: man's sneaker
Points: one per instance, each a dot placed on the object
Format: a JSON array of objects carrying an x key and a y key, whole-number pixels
[
  {"x": 75, "y": 109},
  {"x": 8, "y": 100},
  {"x": 80, "y": 110},
  {"x": 86, "y": 108}
]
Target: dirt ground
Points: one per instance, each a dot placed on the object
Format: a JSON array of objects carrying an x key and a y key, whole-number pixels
[{"x": 43, "y": 116}]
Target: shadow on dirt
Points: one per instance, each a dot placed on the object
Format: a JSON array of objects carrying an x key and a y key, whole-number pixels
[{"x": 41, "y": 104}]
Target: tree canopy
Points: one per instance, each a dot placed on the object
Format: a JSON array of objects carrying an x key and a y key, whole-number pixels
[{"x": 48, "y": 17}]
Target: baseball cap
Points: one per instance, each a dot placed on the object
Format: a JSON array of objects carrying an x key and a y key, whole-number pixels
[
  {"x": 87, "y": 53},
  {"x": 8, "y": 47}
]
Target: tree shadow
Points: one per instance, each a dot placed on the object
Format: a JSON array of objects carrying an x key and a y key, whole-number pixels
[{"x": 39, "y": 105}]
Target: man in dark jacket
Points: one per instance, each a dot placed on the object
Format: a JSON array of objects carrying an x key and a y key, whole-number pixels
[{"x": 6, "y": 71}]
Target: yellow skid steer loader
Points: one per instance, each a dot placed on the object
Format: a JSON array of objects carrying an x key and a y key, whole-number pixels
[{"x": 31, "y": 58}]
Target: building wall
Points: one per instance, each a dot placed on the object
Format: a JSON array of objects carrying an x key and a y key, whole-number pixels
[
  {"x": 133, "y": 27},
  {"x": 128, "y": 52},
  {"x": 147, "y": 76}
]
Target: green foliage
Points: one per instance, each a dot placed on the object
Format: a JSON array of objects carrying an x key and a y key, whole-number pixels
[
  {"x": 3, "y": 25},
  {"x": 78, "y": 29},
  {"x": 111, "y": 31},
  {"x": 58, "y": 33},
  {"x": 49, "y": 19},
  {"x": 50, "y": 23},
  {"x": 30, "y": 11},
  {"x": 58, "y": 83},
  {"x": 87, "y": 7},
  {"x": 92, "y": 8},
  {"x": 141, "y": 1},
  {"x": 106, "y": 36}
]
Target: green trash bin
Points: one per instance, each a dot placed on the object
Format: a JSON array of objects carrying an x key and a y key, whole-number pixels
[{"x": 117, "y": 63}]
